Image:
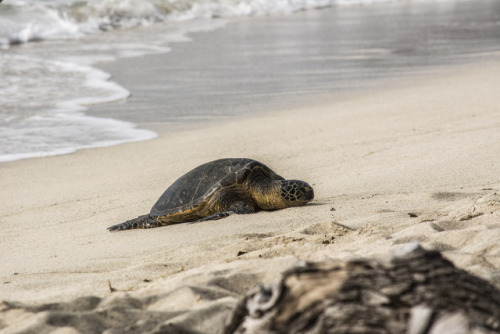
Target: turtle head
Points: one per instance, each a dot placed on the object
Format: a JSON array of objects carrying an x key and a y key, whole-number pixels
[{"x": 295, "y": 192}]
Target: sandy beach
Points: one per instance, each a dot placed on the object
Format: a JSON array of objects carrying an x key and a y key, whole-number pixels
[
  {"x": 389, "y": 111},
  {"x": 415, "y": 159}
]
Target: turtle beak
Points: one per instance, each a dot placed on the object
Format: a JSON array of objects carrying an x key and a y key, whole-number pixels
[{"x": 308, "y": 193}]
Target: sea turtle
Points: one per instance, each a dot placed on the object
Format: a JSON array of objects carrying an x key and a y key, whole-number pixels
[{"x": 220, "y": 188}]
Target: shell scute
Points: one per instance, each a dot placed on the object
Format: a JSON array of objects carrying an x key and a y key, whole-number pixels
[{"x": 196, "y": 186}]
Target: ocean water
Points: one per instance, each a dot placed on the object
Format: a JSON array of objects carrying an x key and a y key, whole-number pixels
[
  {"x": 49, "y": 50},
  {"x": 256, "y": 65}
]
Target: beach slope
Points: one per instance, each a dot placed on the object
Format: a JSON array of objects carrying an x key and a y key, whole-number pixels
[{"x": 415, "y": 160}]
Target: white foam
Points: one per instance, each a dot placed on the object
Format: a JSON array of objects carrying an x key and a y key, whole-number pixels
[
  {"x": 43, "y": 136},
  {"x": 24, "y": 21},
  {"x": 52, "y": 121}
]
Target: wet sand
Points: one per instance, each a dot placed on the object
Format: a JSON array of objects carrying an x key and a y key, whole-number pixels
[{"x": 264, "y": 64}]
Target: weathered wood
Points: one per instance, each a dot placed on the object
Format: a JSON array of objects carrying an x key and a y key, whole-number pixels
[{"x": 417, "y": 292}]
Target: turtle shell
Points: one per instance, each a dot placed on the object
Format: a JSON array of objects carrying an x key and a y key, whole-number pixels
[{"x": 197, "y": 185}]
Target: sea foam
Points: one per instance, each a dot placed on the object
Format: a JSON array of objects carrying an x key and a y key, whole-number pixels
[
  {"x": 50, "y": 118},
  {"x": 33, "y": 20}
]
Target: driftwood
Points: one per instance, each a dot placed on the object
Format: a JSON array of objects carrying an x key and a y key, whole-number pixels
[{"x": 415, "y": 293}]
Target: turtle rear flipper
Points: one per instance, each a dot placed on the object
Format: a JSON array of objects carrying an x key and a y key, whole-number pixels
[{"x": 145, "y": 221}]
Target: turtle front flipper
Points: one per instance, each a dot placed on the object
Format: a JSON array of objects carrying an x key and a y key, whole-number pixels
[
  {"x": 216, "y": 216},
  {"x": 145, "y": 221},
  {"x": 239, "y": 208}
]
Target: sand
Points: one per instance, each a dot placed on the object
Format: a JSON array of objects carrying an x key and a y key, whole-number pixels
[{"x": 414, "y": 159}]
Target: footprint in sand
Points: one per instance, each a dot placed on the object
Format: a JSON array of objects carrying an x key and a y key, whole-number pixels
[
  {"x": 466, "y": 207},
  {"x": 450, "y": 196},
  {"x": 464, "y": 217},
  {"x": 325, "y": 232}
]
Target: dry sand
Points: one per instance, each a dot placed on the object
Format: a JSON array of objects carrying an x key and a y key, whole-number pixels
[{"x": 415, "y": 159}]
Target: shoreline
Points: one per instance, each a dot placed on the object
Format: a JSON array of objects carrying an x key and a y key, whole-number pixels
[{"x": 261, "y": 64}]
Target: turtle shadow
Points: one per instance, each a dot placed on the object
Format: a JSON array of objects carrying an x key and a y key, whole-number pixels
[{"x": 317, "y": 204}]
